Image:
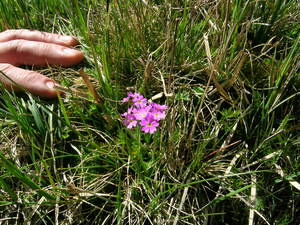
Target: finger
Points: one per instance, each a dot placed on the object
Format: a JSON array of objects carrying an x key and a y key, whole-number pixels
[
  {"x": 31, "y": 81},
  {"x": 21, "y": 52},
  {"x": 33, "y": 35}
]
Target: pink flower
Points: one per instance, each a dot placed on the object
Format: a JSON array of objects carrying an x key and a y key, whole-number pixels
[
  {"x": 142, "y": 113},
  {"x": 136, "y": 112},
  {"x": 149, "y": 124},
  {"x": 136, "y": 95},
  {"x": 146, "y": 114},
  {"x": 139, "y": 101},
  {"x": 129, "y": 111},
  {"x": 129, "y": 94},
  {"x": 157, "y": 114},
  {"x": 125, "y": 100},
  {"x": 130, "y": 121},
  {"x": 158, "y": 106}
]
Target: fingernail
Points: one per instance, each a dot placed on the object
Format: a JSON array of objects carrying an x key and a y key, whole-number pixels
[
  {"x": 70, "y": 51},
  {"x": 65, "y": 38},
  {"x": 50, "y": 84}
]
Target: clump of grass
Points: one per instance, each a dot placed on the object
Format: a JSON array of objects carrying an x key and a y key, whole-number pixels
[{"x": 227, "y": 151}]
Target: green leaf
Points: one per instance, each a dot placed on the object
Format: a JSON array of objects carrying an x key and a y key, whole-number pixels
[
  {"x": 8, "y": 190},
  {"x": 11, "y": 168}
]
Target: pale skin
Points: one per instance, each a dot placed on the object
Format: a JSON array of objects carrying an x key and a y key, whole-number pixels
[{"x": 30, "y": 47}]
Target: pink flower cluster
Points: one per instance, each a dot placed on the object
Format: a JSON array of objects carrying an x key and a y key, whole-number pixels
[{"x": 142, "y": 112}]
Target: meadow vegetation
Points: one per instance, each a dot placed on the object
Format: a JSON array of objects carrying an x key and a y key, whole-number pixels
[{"x": 227, "y": 151}]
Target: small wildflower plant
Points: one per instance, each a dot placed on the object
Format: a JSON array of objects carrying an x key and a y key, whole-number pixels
[{"x": 143, "y": 113}]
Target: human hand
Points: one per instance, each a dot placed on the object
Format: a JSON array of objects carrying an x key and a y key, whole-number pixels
[{"x": 28, "y": 47}]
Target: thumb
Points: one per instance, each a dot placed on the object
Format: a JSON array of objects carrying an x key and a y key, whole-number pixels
[{"x": 31, "y": 81}]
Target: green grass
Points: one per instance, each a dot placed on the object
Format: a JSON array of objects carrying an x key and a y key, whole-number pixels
[{"x": 228, "y": 150}]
